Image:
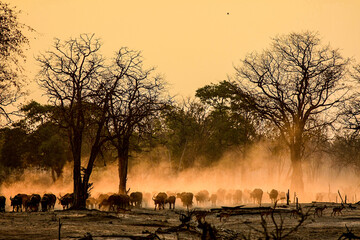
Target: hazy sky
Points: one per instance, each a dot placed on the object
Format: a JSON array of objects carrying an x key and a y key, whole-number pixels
[{"x": 191, "y": 42}]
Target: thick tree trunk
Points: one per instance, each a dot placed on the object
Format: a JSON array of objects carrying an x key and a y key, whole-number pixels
[
  {"x": 297, "y": 182},
  {"x": 123, "y": 169},
  {"x": 79, "y": 198}
]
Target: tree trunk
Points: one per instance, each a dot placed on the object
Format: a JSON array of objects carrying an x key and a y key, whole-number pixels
[
  {"x": 297, "y": 183},
  {"x": 79, "y": 198},
  {"x": 123, "y": 169},
  {"x": 53, "y": 176}
]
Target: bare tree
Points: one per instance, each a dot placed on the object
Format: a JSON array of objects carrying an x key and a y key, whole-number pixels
[
  {"x": 12, "y": 41},
  {"x": 345, "y": 148},
  {"x": 72, "y": 76},
  {"x": 136, "y": 97},
  {"x": 351, "y": 111},
  {"x": 292, "y": 84}
]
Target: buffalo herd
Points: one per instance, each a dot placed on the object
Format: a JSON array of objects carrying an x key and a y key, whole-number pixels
[{"x": 117, "y": 202}]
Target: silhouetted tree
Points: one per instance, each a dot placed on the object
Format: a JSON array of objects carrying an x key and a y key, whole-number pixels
[
  {"x": 12, "y": 42},
  {"x": 232, "y": 123},
  {"x": 135, "y": 97},
  {"x": 345, "y": 149},
  {"x": 291, "y": 84},
  {"x": 72, "y": 77},
  {"x": 351, "y": 111}
]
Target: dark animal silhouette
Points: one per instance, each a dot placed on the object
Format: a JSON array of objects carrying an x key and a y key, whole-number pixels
[
  {"x": 45, "y": 203},
  {"x": 256, "y": 195},
  {"x": 171, "y": 201},
  {"x": 186, "y": 198},
  {"x": 48, "y": 202},
  {"x": 337, "y": 210},
  {"x": 67, "y": 200},
  {"x": 33, "y": 204},
  {"x": 118, "y": 201},
  {"x": 273, "y": 195},
  {"x": 136, "y": 199},
  {"x": 19, "y": 201},
  {"x": 16, "y": 203},
  {"x": 159, "y": 200},
  {"x": 319, "y": 211},
  {"x": 2, "y": 203},
  {"x": 52, "y": 200}
]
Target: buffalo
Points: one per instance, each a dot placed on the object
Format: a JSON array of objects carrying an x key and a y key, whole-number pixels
[
  {"x": 19, "y": 201},
  {"x": 48, "y": 202},
  {"x": 256, "y": 195},
  {"x": 32, "y": 204},
  {"x": 202, "y": 197},
  {"x": 159, "y": 200},
  {"x": 186, "y": 198},
  {"x": 52, "y": 200},
  {"x": 67, "y": 200},
  {"x": 273, "y": 195},
  {"x": 171, "y": 201},
  {"x": 2, "y": 203},
  {"x": 117, "y": 202},
  {"x": 45, "y": 203},
  {"x": 136, "y": 199}
]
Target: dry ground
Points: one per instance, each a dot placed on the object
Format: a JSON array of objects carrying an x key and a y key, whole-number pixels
[{"x": 140, "y": 223}]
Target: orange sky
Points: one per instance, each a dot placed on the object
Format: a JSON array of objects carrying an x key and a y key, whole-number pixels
[{"x": 192, "y": 42}]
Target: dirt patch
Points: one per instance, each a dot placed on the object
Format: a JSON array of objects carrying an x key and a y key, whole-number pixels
[{"x": 142, "y": 223}]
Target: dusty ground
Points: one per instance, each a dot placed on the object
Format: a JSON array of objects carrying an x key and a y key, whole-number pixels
[{"x": 140, "y": 223}]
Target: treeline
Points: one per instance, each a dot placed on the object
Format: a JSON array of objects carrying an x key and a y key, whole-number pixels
[{"x": 191, "y": 132}]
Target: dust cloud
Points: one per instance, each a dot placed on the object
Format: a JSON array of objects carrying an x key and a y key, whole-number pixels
[{"x": 259, "y": 169}]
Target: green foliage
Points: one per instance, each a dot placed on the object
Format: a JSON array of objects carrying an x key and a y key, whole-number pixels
[
  {"x": 37, "y": 113},
  {"x": 202, "y": 131}
]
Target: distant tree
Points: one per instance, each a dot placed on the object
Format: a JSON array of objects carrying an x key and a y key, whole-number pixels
[
  {"x": 13, "y": 148},
  {"x": 12, "y": 42},
  {"x": 72, "y": 77},
  {"x": 186, "y": 127},
  {"x": 37, "y": 114},
  {"x": 232, "y": 123},
  {"x": 48, "y": 148},
  {"x": 135, "y": 97},
  {"x": 292, "y": 84}
]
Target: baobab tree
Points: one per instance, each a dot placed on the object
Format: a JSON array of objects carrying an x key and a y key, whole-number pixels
[{"x": 292, "y": 84}]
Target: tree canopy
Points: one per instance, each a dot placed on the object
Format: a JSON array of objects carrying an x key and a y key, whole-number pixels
[
  {"x": 12, "y": 44},
  {"x": 291, "y": 84}
]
